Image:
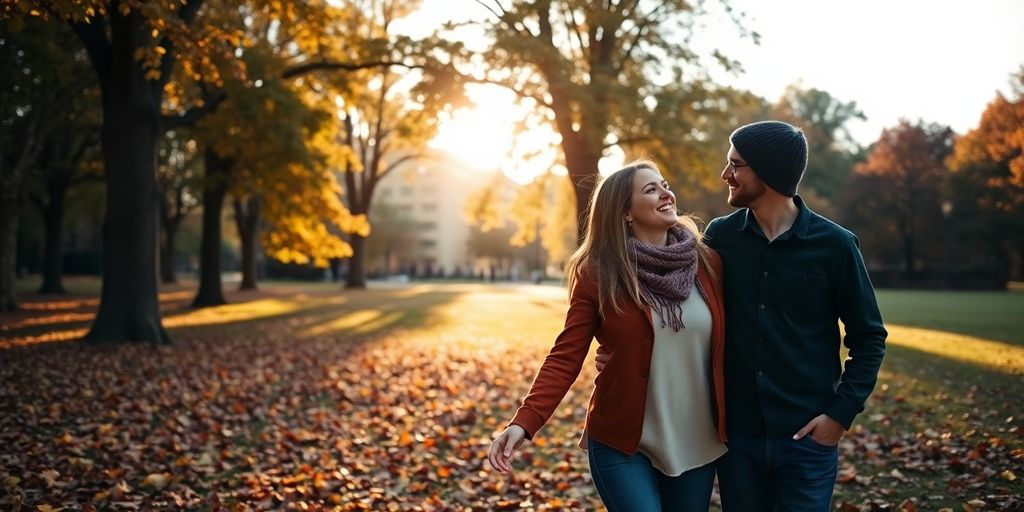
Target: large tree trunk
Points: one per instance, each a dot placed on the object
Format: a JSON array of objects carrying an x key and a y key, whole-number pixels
[
  {"x": 357, "y": 263},
  {"x": 129, "y": 308},
  {"x": 129, "y": 305},
  {"x": 214, "y": 190},
  {"x": 247, "y": 220},
  {"x": 53, "y": 252}
]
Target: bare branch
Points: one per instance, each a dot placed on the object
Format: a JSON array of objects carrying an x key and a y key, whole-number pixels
[
  {"x": 523, "y": 95},
  {"x": 309, "y": 67}
]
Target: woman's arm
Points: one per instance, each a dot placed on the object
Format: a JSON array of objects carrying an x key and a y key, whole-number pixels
[{"x": 560, "y": 369}]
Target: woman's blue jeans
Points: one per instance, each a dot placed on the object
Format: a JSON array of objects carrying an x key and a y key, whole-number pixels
[{"x": 630, "y": 483}]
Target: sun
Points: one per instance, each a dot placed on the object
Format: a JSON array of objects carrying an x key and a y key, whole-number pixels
[{"x": 498, "y": 134}]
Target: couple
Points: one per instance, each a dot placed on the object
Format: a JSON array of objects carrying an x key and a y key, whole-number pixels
[{"x": 719, "y": 356}]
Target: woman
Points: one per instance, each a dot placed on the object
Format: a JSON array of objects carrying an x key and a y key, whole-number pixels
[{"x": 644, "y": 284}]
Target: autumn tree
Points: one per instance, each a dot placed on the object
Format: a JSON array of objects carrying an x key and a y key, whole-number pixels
[
  {"x": 132, "y": 47},
  {"x": 540, "y": 226},
  {"x": 611, "y": 73},
  {"x": 986, "y": 187},
  {"x": 386, "y": 123},
  {"x": 895, "y": 196},
  {"x": 39, "y": 83}
]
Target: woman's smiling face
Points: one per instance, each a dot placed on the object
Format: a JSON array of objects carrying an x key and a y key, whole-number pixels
[{"x": 653, "y": 206}]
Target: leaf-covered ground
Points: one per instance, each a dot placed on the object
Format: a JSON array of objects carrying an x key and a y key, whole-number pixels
[{"x": 312, "y": 398}]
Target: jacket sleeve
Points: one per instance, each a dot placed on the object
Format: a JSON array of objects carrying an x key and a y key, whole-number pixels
[
  {"x": 565, "y": 359},
  {"x": 865, "y": 335}
]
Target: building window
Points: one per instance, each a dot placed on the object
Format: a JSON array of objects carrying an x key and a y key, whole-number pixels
[
  {"x": 428, "y": 244},
  {"x": 427, "y": 226},
  {"x": 429, "y": 207}
]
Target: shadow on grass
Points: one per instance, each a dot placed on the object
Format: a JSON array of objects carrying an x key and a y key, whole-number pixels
[
  {"x": 308, "y": 313},
  {"x": 926, "y": 390}
]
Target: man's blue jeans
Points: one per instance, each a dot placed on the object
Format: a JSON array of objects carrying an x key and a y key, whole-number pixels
[
  {"x": 777, "y": 475},
  {"x": 629, "y": 483}
]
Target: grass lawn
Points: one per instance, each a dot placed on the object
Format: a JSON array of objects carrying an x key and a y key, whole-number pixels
[{"x": 305, "y": 395}]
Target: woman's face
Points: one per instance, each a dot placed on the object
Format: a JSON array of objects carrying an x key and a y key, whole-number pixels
[{"x": 653, "y": 208}]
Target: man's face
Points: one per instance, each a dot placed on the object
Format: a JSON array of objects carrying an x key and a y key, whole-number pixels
[{"x": 744, "y": 186}]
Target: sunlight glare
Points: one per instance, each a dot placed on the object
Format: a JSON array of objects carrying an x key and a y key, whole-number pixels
[{"x": 485, "y": 137}]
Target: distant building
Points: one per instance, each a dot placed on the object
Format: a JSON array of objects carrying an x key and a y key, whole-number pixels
[{"x": 418, "y": 225}]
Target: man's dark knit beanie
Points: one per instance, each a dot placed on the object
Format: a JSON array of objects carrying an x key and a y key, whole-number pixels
[{"x": 776, "y": 152}]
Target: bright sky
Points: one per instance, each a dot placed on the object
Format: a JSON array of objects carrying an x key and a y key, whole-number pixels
[{"x": 941, "y": 61}]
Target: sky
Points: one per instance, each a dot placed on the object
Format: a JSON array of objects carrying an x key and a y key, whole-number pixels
[{"x": 940, "y": 61}]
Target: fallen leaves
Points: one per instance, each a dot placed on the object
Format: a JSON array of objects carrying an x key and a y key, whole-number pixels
[{"x": 243, "y": 416}]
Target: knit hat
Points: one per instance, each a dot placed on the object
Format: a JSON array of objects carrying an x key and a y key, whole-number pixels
[{"x": 776, "y": 152}]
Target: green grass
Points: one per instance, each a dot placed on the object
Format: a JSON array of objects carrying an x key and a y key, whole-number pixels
[{"x": 991, "y": 315}]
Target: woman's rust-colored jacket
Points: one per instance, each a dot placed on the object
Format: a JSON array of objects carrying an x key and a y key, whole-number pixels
[{"x": 616, "y": 412}]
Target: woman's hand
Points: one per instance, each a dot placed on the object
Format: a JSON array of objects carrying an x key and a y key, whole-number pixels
[
  {"x": 503, "y": 446},
  {"x": 603, "y": 356}
]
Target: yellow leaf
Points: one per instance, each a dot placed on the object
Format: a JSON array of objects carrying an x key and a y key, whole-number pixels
[
  {"x": 157, "y": 480},
  {"x": 101, "y": 496},
  {"x": 1008, "y": 475}
]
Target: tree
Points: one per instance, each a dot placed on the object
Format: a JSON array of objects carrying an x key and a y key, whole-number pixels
[
  {"x": 896, "y": 192},
  {"x": 832, "y": 152},
  {"x": 177, "y": 175},
  {"x": 386, "y": 124},
  {"x": 39, "y": 83},
  {"x": 611, "y": 73},
  {"x": 551, "y": 229},
  {"x": 986, "y": 185},
  {"x": 71, "y": 157},
  {"x": 132, "y": 48}
]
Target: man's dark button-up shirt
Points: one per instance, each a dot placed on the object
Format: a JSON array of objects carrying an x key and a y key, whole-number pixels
[{"x": 783, "y": 301}]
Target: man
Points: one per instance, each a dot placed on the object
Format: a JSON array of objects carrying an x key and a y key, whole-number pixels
[{"x": 790, "y": 276}]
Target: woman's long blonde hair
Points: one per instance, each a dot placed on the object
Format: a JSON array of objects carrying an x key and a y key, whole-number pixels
[{"x": 605, "y": 247}]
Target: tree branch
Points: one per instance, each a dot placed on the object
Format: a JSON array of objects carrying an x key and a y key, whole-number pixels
[
  {"x": 94, "y": 38},
  {"x": 309, "y": 67},
  {"x": 194, "y": 114},
  {"x": 522, "y": 94}
]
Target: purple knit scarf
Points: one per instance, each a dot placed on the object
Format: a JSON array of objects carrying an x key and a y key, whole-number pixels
[{"x": 666, "y": 274}]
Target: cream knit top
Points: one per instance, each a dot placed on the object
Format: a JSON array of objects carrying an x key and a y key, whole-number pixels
[{"x": 679, "y": 430}]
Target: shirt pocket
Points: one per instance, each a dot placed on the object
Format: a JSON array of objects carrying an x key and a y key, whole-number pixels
[{"x": 806, "y": 295}]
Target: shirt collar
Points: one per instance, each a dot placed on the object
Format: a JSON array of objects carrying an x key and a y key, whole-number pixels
[{"x": 800, "y": 225}]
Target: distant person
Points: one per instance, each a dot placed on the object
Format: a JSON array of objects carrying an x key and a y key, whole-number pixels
[
  {"x": 645, "y": 285},
  {"x": 790, "y": 276}
]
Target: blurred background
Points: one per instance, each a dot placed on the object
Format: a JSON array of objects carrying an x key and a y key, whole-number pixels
[{"x": 406, "y": 140}]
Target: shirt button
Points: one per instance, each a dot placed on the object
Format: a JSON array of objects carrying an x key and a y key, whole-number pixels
[
  {"x": 765, "y": 273},
  {"x": 762, "y": 306}
]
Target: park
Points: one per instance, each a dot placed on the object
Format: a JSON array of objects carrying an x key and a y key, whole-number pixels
[{"x": 310, "y": 255}]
